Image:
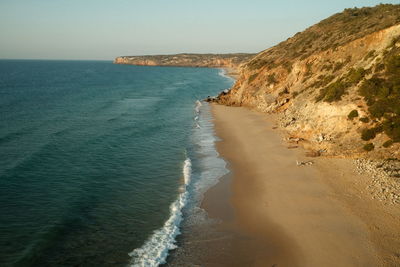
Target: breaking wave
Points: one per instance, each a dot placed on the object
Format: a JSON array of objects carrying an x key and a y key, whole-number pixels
[
  {"x": 155, "y": 250},
  {"x": 222, "y": 73}
]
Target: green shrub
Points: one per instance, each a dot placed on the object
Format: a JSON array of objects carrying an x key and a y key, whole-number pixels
[
  {"x": 369, "y": 88},
  {"x": 393, "y": 65},
  {"x": 271, "y": 78},
  {"x": 252, "y": 77},
  {"x": 378, "y": 129},
  {"x": 354, "y": 76},
  {"x": 369, "y": 147},
  {"x": 327, "y": 67},
  {"x": 295, "y": 93},
  {"x": 379, "y": 67},
  {"x": 332, "y": 92},
  {"x": 284, "y": 91},
  {"x": 391, "y": 126},
  {"x": 338, "y": 66},
  {"x": 287, "y": 66},
  {"x": 368, "y": 134},
  {"x": 364, "y": 119},
  {"x": 378, "y": 109},
  {"x": 352, "y": 114},
  {"x": 388, "y": 143}
]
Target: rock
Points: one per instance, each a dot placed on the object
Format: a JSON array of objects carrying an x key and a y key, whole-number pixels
[
  {"x": 304, "y": 163},
  {"x": 383, "y": 184}
]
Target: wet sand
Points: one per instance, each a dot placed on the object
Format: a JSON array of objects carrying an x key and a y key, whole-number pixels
[{"x": 272, "y": 212}]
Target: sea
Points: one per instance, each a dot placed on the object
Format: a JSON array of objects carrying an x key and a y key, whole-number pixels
[{"x": 101, "y": 164}]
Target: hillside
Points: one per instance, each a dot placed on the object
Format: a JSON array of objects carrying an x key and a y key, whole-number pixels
[
  {"x": 335, "y": 86},
  {"x": 232, "y": 61}
]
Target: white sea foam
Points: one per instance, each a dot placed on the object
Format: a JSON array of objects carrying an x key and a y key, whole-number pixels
[
  {"x": 222, "y": 72},
  {"x": 212, "y": 166},
  {"x": 155, "y": 250},
  {"x": 198, "y": 106}
]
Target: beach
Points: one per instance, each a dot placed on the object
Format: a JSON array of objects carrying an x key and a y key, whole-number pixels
[{"x": 273, "y": 212}]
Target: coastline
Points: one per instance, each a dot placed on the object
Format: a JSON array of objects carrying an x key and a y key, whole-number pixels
[{"x": 278, "y": 213}]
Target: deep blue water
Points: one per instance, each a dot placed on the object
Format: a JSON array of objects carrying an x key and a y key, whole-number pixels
[{"x": 91, "y": 156}]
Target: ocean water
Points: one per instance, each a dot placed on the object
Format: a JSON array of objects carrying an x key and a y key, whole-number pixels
[{"x": 100, "y": 163}]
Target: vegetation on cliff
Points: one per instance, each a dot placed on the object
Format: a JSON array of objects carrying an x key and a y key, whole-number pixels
[
  {"x": 321, "y": 79},
  {"x": 382, "y": 93},
  {"x": 335, "y": 31}
]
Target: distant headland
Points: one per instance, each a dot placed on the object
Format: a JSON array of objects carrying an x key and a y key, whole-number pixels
[{"x": 232, "y": 61}]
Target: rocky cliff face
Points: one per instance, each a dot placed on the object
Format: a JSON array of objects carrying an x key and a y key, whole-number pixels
[
  {"x": 335, "y": 86},
  {"x": 188, "y": 60}
]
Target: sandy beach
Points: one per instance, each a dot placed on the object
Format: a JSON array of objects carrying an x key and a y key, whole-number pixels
[{"x": 276, "y": 213}]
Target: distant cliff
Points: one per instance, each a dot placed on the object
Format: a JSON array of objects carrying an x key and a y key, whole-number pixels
[
  {"x": 188, "y": 60},
  {"x": 336, "y": 85}
]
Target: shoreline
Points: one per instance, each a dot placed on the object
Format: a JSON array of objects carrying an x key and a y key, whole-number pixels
[{"x": 289, "y": 215}]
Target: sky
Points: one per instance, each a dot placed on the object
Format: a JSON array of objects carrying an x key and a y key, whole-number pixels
[{"x": 103, "y": 30}]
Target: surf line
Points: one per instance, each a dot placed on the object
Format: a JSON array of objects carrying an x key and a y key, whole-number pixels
[{"x": 155, "y": 250}]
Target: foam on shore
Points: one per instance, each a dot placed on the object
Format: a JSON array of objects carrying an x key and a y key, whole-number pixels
[{"x": 155, "y": 250}]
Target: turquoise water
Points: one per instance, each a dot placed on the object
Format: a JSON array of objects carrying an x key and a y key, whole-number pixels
[{"x": 94, "y": 157}]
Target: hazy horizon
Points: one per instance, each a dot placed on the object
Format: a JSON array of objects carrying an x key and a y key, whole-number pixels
[{"x": 102, "y": 30}]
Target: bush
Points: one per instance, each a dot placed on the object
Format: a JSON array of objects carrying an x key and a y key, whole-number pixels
[
  {"x": 364, "y": 119},
  {"x": 378, "y": 109},
  {"x": 288, "y": 66},
  {"x": 252, "y": 77},
  {"x": 382, "y": 94},
  {"x": 284, "y": 91},
  {"x": 379, "y": 67},
  {"x": 338, "y": 66},
  {"x": 388, "y": 143},
  {"x": 393, "y": 65},
  {"x": 354, "y": 76},
  {"x": 391, "y": 126},
  {"x": 370, "y": 87},
  {"x": 368, "y": 134},
  {"x": 378, "y": 129},
  {"x": 352, "y": 114},
  {"x": 327, "y": 67},
  {"x": 332, "y": 92},
  {"x": 369, "y": 147},
  {"x": 271, "y": 78}
]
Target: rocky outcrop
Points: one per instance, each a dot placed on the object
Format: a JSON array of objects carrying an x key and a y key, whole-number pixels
[
  {"x": 315, "y": 79},
  {"x": 384, "y": 185},
  {"x": 232, "y": 61}
]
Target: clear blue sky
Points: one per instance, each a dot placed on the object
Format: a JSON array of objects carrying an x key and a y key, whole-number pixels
[{"x": 100, "y": 29}]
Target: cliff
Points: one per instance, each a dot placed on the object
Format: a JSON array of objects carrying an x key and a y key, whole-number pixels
[
  {"x": 335, "y": 86},
  {"x": 232, "y": 61}
]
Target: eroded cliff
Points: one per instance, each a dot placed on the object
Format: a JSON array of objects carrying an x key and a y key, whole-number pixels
[{"x": 335, "y": 86}]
